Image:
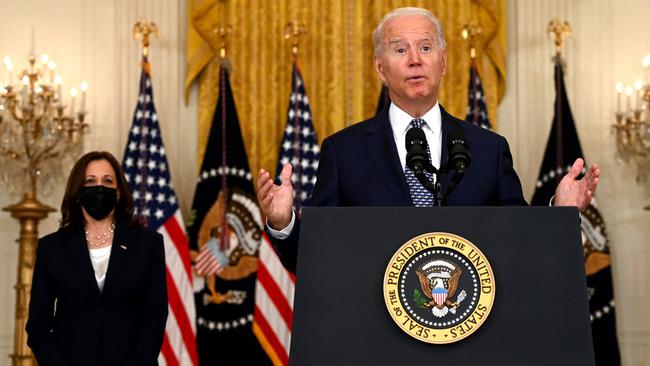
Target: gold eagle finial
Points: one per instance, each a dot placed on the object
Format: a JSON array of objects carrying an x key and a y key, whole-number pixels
[
  {"x": 559, "y": 29},
  {"x": 143, "y": 29}
]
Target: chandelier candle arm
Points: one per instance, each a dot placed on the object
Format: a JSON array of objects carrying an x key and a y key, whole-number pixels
[{"x": 632, "y": 123}]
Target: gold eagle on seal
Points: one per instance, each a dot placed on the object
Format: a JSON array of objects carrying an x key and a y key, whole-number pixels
[{"x": 439, "y": 283}]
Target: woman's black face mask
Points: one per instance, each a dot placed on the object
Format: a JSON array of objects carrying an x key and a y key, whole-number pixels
[{"x": 98, "y": 201}]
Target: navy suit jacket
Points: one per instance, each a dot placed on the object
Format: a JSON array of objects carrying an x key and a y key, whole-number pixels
[
  {"x": 72, "y": 323},
  {"x": 359, "y": 166}
]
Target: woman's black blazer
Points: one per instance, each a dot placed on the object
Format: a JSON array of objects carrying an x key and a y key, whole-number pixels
[{"x": 72, "y": 323}]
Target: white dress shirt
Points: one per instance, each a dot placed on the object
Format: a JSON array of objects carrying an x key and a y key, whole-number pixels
[
  {"x": 99, "y": 258},
  {"x": 400, "y": 122}
]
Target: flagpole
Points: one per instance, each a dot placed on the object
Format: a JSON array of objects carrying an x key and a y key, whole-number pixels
[
  {"x": 294, "y": 31},
  {"x": 143, "y": 29},
  {"x": 471, "y": 33},
  {"x": 223, "y": 32},
  {"x": 558, "y": 29}
]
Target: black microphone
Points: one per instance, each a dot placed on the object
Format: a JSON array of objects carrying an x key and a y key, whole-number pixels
[
  {"x": 459, "y": 155},
  {"x": 416, "y": 150}
]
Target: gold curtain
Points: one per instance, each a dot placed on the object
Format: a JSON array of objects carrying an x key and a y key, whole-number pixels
[{"x": 335, "y": 58}]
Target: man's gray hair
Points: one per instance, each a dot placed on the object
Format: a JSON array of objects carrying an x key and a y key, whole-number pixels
[{"x": 378, "y": 34}]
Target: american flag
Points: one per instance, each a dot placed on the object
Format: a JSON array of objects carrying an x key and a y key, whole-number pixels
[
  {"x": 299, "y": 145},
  {"x": 147, "y": 172},
  {"x": 477, "y": 112},
  {"x": 275, "y": 285},
  {"x": 207, "y": 262}
]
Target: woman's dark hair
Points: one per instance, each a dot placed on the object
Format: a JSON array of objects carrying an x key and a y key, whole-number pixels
[{"x": 71, "y": 215}]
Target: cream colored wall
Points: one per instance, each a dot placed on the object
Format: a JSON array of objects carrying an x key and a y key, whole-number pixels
[
  {"x": 92, "y": 40},
  {"x": 609, "y": 40}
]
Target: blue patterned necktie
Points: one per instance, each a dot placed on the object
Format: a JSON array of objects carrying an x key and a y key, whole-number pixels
[{"x": 421, "y": 196}]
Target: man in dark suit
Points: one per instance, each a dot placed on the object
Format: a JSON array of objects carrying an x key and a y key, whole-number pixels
[{"x": 364, "y": 164}]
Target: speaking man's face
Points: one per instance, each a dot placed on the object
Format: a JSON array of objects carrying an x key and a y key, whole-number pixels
[{"x": 411, "y": 62}]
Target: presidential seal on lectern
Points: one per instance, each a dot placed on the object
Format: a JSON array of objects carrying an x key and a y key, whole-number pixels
[{"x": 439, "y": 288}]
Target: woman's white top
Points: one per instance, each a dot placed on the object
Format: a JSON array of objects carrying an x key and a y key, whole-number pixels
[{"x": 99, "y": 258}]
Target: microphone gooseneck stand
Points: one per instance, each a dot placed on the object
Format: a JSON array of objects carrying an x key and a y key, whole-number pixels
[
  {"x": 418, "y": 161},
  {"x": 436, "y": 188}
]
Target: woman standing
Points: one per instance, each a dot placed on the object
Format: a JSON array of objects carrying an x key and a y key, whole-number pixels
[{"x": 99, "y": 295}]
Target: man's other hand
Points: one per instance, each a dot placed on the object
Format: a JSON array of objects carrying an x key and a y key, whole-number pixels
[
  {"x": 275, "y": 200},
  {"x": 577, "y": 192}
]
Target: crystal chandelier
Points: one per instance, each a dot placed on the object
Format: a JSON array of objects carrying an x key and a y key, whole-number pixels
[
  {"x": 38, "y": 135},
  {"x": 38, "y": 132}
]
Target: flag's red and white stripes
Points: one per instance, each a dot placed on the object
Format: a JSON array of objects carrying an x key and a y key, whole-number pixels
[
  {"x": 273, "y": 304},
  {"x": 206, "y": 263},
  {"x": 179, "y": 346}
]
